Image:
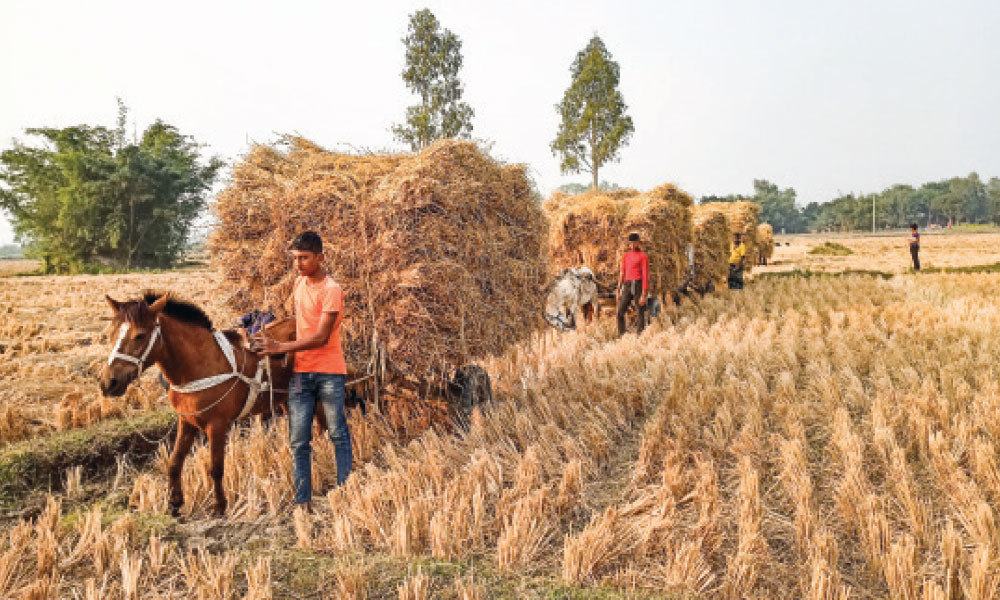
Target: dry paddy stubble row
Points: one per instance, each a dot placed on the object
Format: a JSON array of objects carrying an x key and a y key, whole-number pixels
[{"x": 821, "y": 438}]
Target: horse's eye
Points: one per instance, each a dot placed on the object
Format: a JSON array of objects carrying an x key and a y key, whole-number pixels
[{"x": 139, "y": 337}]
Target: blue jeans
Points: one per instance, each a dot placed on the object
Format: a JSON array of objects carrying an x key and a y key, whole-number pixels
[{"x": 306, "y": 390}]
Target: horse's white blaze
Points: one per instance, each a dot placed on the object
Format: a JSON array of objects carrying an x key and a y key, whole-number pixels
[
  {"x": 138, "y": 361},
  {"x": 122, "y": 332}
]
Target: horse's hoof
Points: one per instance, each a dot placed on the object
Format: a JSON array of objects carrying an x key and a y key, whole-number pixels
[
  {"x": 175, "y": 511},
  {"x": 219, "y": 512}
]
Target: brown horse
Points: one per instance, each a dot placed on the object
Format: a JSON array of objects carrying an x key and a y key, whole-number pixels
[{"x": 213, "y": 377}]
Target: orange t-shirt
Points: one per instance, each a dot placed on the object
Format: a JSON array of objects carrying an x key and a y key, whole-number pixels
[{"x": 311, "y": 301}]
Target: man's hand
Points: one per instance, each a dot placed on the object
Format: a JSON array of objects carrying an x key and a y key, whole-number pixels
[
  {"x": 642, "y": 299},
  {"x": 267, "y": 346}
]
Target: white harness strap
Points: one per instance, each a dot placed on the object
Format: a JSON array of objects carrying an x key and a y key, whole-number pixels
[
  {"x": 256, "y": 383},
  {"x": 140, "y": 361}
]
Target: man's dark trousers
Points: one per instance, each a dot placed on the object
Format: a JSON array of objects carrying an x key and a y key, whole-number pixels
[
  {"x": 631, "y": 292},
  {"x": 735, "y": 277},
  {"x": 915, "y": 253}
]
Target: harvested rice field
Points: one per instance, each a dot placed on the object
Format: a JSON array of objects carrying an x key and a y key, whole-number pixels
[
  {"x": 817, "y": 437},
  {"x": 886, "y": 252}
]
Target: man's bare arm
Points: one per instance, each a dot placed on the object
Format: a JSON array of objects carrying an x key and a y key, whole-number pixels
[{"x": 320, "y": 338}]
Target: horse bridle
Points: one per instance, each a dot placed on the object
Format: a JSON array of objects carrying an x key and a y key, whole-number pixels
[{"x": 141, "y": 360}]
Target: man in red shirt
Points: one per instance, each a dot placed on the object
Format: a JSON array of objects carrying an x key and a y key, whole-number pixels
[
  {"x": 320, "y": 368},
  {"x": 633, "y": 283}
]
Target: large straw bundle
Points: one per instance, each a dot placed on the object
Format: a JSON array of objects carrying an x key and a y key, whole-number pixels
[
  {"x": 710, "y": 230},
  {"x": 441, "y": 254},
  {"x": 742, "y": 217},
  {"x": 591, "y": 229},
  {"x": 765, "y": 242}
]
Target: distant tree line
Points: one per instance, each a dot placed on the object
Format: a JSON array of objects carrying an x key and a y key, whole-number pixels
[{"x": 959, "y": 200}]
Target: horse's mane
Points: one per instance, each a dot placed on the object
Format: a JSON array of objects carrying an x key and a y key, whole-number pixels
[{"x": 178, "y": 309}]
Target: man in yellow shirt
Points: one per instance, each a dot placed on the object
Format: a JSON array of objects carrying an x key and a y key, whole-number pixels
[{"x": 737, "y": 257}]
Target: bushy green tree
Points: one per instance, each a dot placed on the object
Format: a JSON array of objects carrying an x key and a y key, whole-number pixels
[
  {"x": 594, "y": 125},
  {"x": 993, "y": 200},
  {"x": 777, "y": 206},
  {"x": 85, "y": 194},
  {"x": 433, "y": 60}
]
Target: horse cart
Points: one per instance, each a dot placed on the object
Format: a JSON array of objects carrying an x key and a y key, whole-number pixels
[{"x": 379, "y": 381}]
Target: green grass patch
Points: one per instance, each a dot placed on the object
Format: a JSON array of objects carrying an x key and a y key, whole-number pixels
[
  {"x": 39, "y": 464},
  {"x": 991, "y": 268},
  {"x": 832, "y": 249},
  {"x": 807, "y": 273}
]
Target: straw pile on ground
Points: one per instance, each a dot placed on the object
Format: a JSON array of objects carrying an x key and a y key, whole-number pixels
[
  {"x": 765, "y": 242},
  {"x": 441, "y": 254},
  {"x": 742, "y": 217},
  {"x": 591, "y": 229},
  {"x": 710, "y": 234}
]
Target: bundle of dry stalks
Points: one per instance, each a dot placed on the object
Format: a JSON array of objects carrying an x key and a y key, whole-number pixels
[
  {"x": 742, "y": 217},
  {"x": 710, "y": 236},
  {"x": 591, "y": 229},
  {"x": 441, "y": 254},
  {"x": 765, "y": 242}
]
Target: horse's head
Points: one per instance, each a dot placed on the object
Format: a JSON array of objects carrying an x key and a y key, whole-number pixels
[{"x": 135, "y": 331}]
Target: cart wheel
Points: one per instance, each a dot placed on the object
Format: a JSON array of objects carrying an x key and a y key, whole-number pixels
[
  {"x": 653, "y": 307},
  {"x": 469, "y": 388}
]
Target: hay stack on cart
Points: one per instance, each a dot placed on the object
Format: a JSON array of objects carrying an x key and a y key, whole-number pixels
[
  {"x": 441, "y": 254},
  {"x": 742, "y": 217},
  {"x": 591, "y": 229},
  {"x": 711, "y": 236},
  {"x": 765, "y": 243}
]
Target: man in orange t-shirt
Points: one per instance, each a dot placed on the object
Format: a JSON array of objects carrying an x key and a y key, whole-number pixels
[{"x": 320, "y": 369}]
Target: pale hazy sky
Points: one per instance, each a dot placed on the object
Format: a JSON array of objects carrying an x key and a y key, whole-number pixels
[{"x": 819, "y": 96}]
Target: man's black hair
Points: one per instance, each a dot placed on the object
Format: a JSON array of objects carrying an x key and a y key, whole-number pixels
[
  {"x": 913, "y": 225},
  {"x": 633, "y": 237},
  {"x": 308, "y": 241}
]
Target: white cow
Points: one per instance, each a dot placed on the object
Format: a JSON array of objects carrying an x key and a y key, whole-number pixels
[{"x": 574, "y": 290}]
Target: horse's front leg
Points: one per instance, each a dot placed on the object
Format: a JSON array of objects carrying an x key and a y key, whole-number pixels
[
  {"x": 217, "y": 433},
  {"x": 185, "y": 438}
]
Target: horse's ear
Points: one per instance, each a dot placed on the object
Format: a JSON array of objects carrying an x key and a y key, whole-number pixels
[
  {"x": 157, "y": 307},
  {"x": 114, "y": 304}
]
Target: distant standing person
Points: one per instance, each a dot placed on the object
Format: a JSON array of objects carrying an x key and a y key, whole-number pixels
[
  {"x": 320, "y": 368},
  {"x": 915, "y": 246},
  {"x": 633, "y": 283},
  {"x": 737, "y": 258}
]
